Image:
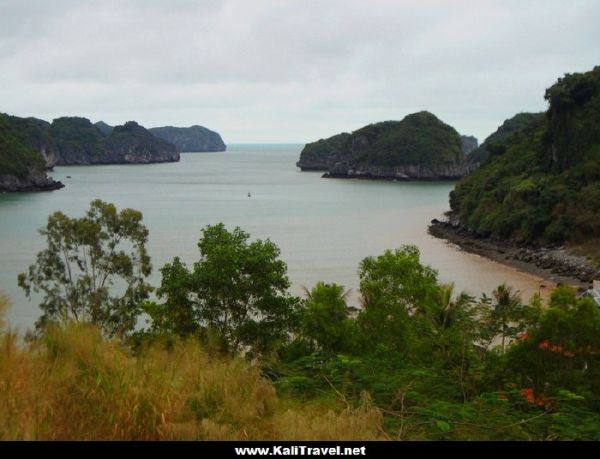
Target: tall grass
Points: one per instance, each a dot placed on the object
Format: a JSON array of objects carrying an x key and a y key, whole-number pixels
[{"x": 72, "y": 384}]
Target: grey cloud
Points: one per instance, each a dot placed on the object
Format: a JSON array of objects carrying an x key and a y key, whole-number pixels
[{"x": 269, "y": 70}]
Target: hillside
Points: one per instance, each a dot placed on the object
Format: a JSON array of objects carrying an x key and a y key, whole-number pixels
[
  {"x": 315, "y": 156},
  {"x": 496, "y": 143},
  {"x": 544, "y": 185},
  {"x": 190, "y": 139},
  {"x": 418, "y": 147},
  {"x": 21, "y": 167},
  {"x": 75, "y": 140}
]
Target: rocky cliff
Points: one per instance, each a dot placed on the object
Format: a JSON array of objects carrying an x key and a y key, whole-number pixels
[
  {"x": 420, "y": 147},
  {"x": 468, "y": 144},
  {"x": 190, "y": 139},
  {"x": 21, "y": 167},
  {"x": 132, "y": 143},
  {"x": 75, "y": 140},
  {"x": 315, "y": 156}
]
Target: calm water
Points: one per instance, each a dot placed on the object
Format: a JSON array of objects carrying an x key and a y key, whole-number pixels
[{"x": 324, "y": 227}]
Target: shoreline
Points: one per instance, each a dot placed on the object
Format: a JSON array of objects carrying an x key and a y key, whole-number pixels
[{"x": 557, "y": 265}]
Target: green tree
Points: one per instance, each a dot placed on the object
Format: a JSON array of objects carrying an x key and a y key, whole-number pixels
[
  {"x": 507, "y": 316},
  {"x": 324, "y": 318},
  {"x": 237, "y": 290},
  {"x": 93, "y": 268},
  {"x": 397, "y": 294}
]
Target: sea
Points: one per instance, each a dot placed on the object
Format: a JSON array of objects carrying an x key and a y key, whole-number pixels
[{"x": 324, "y": 227}]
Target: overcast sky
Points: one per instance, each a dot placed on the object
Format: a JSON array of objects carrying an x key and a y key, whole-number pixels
[{"x": 290, "y": 70}]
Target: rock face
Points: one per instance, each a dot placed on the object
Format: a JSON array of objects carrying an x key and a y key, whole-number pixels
[
  {"x": 190, "y": 139},
  {"x": 22, "y": 168},
  {"x": 420, "y": 147},
  {"x": 133, "y": 144},
  {"x": 76, "y": 141},
  {"x": 468, "y": 144},
  {"x": 34, "y": 181}
]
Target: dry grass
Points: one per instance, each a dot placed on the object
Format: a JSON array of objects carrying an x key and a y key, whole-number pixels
[{"x": 74, "y": 385}]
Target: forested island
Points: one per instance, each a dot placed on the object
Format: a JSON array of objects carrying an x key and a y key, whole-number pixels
[
  {"x": 30, "y": 146},
  {"x": 419, "y": 147},
  {"x": 228, "y": 353},
  {"x": 538, "y": 188},
  {"x": 190, "y": 139}
]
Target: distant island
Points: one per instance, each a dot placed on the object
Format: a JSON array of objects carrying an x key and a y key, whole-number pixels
[
  {"x": 186, "y": 139},
  {"x": 31, "y": 146},
  {"x": 419, "y": 147},
  {"x": 190, "y": 139}
]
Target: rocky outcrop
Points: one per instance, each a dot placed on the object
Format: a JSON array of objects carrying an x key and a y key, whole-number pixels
[
  {"x": 34, "y": 181},
  {"x": 405, "y": 172},
  {"x": 133, "y": 144},
  {"x": 468, "y": 144},
  {"x": 316, "y": 156},
  {"x": 190, "y": 139},
  {"x": 558, "y": 264},
  {"x": 420, "y": 147},
  {"x": 21, "y": 167}
]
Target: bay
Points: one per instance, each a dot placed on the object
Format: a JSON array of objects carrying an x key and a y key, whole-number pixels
[{"x": 324, "y": 227}]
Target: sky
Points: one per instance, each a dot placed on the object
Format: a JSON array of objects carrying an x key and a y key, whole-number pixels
[{"x": 290, "y": 71}]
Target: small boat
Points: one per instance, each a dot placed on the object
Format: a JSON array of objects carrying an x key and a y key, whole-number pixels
[
  {"x": 68, "y": 176},
  {"x": 249, "y": 195}
]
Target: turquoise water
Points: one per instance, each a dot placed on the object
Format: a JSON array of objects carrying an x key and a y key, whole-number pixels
[{"x": 324, "y": 227}]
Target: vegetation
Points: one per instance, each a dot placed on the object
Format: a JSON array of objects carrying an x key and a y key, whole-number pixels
[
  {"x": 316, "y": 155},
  {"x": 420, "y": 139},
  {"x": 229, "y": 354},
  {"x": 16, "y": 156},
  {"x": 236, "y": 293},
  {"x": 544, "y": 185},
  {"x": 497, "y": 142},
  {"x": 93, "y": 268},
  {"x": 75, "y": 135}
]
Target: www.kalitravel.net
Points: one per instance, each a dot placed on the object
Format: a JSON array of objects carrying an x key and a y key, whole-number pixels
[{"x": 301, "y": 450}]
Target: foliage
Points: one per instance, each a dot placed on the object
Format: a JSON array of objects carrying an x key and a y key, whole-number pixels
[
  {"x": 75, "y": 385},
  {"x": 237, "y": 290},
  {"x": 324, "y": 320},
  {"x": 419, "y": 139},
  {"x": 16, "y": 156},
  {"x": 316, "y": 155},
  {"x": 93, "y": 268},
  {"x": 545, "y": 186},
  {"x": 496, "y": 143}
]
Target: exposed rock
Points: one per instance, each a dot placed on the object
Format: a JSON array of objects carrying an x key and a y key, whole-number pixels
[
  {"x": 468, "y": 144},
  {"x": 21, "y": 167},
  {"x": 131, "y": 143},
  {"x": 420, "y": 147},
  {"x": 190, "y": 139},
  {"x": 316, "y": 156},
  {"x": 35, "y": 181},
  {"x": 557, "y": 264}
]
